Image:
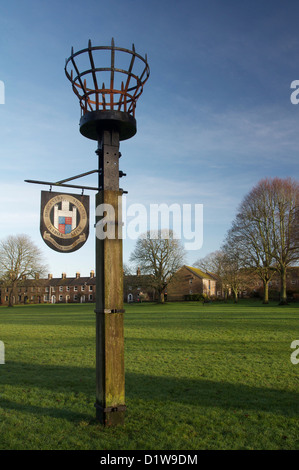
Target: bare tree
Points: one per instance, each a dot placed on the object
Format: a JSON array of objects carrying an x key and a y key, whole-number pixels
[
  {"x": 214, "y": 264},
  {"x": 250, "y": 236},
  {"x": 265, "y": 231},
  {"x": 227, "y": 267},
  {"x": 284, "y": 210},
  {"x": 20, "y": 258},
  {"x": 127, "y": 269},
  {"x": 211, "y": 263},
  {"x": 159, "y": 254},
  {"x": 232, "y": 271}
]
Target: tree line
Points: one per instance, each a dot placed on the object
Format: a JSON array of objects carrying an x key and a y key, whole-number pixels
[{"x": 262, "y": 240}]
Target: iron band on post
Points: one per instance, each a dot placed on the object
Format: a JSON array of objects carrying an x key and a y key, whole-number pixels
[
  {"x": 107, "y": 310},
  {"x": 110, "y": 409}
]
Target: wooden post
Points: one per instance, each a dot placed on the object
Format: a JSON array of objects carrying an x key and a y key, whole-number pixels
[{"x": 110, "y": 373}]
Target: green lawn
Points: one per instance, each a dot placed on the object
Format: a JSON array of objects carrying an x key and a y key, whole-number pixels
[{"x": 213, "y": 376}]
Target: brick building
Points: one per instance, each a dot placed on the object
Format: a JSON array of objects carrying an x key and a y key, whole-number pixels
[
  {"x": 73, "y": 289},
  {"x": 189, "y": 281},
  {"x": 137, "y": 288},
  {"x": 255, "y": 288},
  {"x": 52, "y": 290}
]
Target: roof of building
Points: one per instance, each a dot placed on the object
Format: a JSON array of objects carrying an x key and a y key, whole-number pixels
[
  {"x": 198, "y": 272},
  {"x": 58, "y": 281}
]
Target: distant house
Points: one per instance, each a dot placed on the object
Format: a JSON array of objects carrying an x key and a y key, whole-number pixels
[
  {"x": 189, "y": 280},
  {"x": 292, "y": 281},
  {"x": 137, "y": 288},
  {"x": 52, "y": 290}
]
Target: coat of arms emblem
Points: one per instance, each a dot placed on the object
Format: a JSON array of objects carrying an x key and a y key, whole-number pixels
[{"x": 64, "y": 222}]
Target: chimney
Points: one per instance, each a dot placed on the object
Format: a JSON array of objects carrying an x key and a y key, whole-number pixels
[
  {"x": 36, "y": 276},
  {"x": 91, "y": 274},
  {"x": 138, "y": 271},
  {"x": 77, "y": 275},
  {"x": 50, "y": 276},
  {"x": 63, "y": 276}
]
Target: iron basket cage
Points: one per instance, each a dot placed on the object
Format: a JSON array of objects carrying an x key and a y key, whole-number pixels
[{"x": 124, "y": 72}]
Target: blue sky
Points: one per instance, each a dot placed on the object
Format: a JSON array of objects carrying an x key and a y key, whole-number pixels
[{"x": 215, "y": 116}]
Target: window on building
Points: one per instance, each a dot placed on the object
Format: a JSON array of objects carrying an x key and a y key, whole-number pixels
[
  {"x": 68, "y": 288},
  {"x": 90, "y": 288},
  {"x": 90, "y": 297},
  {"x": 60, "y": 288},
  {"x": 82, "y": 288},
  {"x": 60, "y": 298},
  {"x": 75, "y": 288}
]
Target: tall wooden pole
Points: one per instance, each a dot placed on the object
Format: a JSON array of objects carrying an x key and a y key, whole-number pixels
[
  {"x": 110, "y": 372},
  {"x": 108, "y": 116}
]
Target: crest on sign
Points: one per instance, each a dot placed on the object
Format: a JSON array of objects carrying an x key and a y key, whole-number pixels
[{"x": 64, "y": 223}]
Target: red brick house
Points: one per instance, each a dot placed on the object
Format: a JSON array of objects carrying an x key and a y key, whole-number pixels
[
  {"x": 52, "y": 290},
  {"x": 189, "y": 281}
]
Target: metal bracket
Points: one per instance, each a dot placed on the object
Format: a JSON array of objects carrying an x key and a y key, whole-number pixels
[
  {"x": 108, "y": 310},
  {"x": 110, "y": 409},
  {"x": 62, "y": 182}
]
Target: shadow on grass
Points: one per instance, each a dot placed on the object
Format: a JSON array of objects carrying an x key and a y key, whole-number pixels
[
  {"x": 194, "y": 393},
  {"x": 207, "y": 393},
  {"x": 51, "y": 412}
]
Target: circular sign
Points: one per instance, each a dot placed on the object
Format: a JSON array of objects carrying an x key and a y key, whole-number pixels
[{"x": 60, "y": 210}]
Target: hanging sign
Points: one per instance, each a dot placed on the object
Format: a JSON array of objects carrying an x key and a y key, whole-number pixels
[{"x": 64, "y": 221}]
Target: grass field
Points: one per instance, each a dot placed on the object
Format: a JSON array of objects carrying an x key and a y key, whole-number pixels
[{"x": 213, "y": 376}]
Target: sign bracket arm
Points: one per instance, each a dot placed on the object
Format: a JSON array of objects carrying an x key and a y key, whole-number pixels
[{"x": 62, "y": 182}]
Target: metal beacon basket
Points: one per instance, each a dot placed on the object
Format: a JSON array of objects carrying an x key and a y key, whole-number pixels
[{"x": 111, "y": 105}]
